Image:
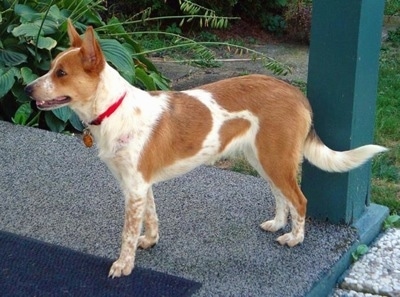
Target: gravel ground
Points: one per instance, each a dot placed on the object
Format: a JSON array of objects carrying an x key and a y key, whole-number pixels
[{"x": 378, "y": 272}]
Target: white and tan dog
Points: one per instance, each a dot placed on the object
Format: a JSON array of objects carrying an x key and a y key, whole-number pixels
[{"x": 147, "y": 137}]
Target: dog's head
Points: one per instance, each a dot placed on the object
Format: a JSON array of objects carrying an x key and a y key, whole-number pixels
[{"x": 73, "y": 76}]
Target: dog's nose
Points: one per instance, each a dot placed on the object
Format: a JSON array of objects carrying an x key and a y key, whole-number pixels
[{"x": 29, "y": 90}]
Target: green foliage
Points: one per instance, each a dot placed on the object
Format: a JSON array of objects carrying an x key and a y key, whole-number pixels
[
  {"x": 268, "y": 13},
  {"x": 298, "y": 19},
  {"x": 241, "y": 165},
  {"x": 273, "y": 23},
  {"x": 361, "y": 250},
  {"x": 386, "y": 167},
  {"x": 394, "y": 36},
  {"x": 392, "y": 7},
  {"x": 386, "y": 193},
  {"x": 200, "y": 51},
  {"x": 391, "y": 221},
  {"x": 222, "y": 7},
  {"x": 35, "y": 32}
]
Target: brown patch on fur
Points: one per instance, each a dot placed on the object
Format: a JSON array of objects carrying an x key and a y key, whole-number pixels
[
  {"x": 179, "y": 134},
  {"x": 249, "y": 93},
  {"x": 232, "y": 129},
  {"x": 75, "y": 72},
  {"x": 285, "y": 118}
]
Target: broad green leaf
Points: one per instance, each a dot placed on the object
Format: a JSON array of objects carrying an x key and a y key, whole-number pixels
[
  {"x": 55, "y": 15},
  {"x": 22, "y": 114},
  {"x": 19, "y": 94},
  {"x": 132, "y": 42},
  {"x": 150, "y": 66},
  {"x": 25, "y": 11},
  {"x": 119, "y": 56},
  {"x": 76, "y": 122},
  {"x": 48, "y": 27},
  {"x": 362, "y": 249},
  {"x": 7, "y": 80},
  {"x": 393, "y": 218},
  {"x": 129, "y": 48},
  {"x": 27, "y": 30},
  {"x": 114, "y": 26},
  {"x": 46, "y": 43},
  {"x": 54, "y": 123},
  {"x": 12, "y": 58},
  {"x": 63, "y": 113},
  {"x": 145, "y": 79},
  {"x": 31, "y": 29},
  {"x": 160, "y": 81},
  {"x": 27, "y": 75}
]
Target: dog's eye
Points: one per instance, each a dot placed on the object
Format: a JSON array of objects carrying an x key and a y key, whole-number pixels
[{"x": 60, "y": 73}]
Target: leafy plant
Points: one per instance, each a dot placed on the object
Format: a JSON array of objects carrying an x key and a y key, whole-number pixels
[
  {"x": 274, "y": 23},
  {"x": 394, "y": 36},
  {"x": 200, "y": 50},
  {"x": 361, "y": 250},
  {"x": 298, "y": 18},
  {"x": 391, "y": 221},
  {"x": 34, "y": 32},
  {"x": 392, "y": 7},
  {"x": 268, "y": 13}
]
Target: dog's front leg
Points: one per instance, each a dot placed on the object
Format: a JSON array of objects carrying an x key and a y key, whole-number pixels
[
  {"x": 135, "y": 204},
  {"x": 150, "y": 237}
]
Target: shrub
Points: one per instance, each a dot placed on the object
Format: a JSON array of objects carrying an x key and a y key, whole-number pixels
[
  {"x": 34, "y": 32},
  {"x": 298, "y": 19},
  {"x": 268, "y": 13}
]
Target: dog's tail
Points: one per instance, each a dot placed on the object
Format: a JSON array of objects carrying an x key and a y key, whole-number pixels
[{"x": 329, "y": 160}]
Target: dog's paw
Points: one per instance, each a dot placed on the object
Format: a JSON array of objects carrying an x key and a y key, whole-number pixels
[
  {"x": 272, "y": 225},
  {"x": 147, "y": 242},
  {"x": 290, "y": 240},
  {"x": 121, "y": 267}
]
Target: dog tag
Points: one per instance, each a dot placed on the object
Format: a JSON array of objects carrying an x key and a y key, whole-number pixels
[{"x": 87, "y": 138}]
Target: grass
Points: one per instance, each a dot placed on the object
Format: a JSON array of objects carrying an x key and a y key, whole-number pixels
[
  {"x": 386, "y": 168},
  {"x": 392, "y": 7}
]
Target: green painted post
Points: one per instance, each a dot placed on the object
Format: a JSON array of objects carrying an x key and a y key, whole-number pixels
[{"x": 342, "y": 88}]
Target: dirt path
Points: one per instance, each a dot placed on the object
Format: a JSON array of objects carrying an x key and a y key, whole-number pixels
[{"x": 187, "y": 76}]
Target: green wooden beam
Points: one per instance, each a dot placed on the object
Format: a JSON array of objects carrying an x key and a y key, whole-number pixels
[{"x": 342, "y": 88}]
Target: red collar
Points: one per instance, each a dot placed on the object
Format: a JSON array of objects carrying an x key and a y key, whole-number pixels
[{"x": 97, "y": 121}]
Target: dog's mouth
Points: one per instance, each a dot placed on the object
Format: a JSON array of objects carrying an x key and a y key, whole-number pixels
[{"x": 53, "y": 103}]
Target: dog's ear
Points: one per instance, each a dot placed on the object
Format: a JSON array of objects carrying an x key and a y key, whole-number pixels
[
  {"x": 74, "y": 38},
  {"x": 92, "y": 56}
]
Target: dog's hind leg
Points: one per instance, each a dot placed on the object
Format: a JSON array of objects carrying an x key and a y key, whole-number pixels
[
  {"x": 283, "y": 180},
  {"x": 281, "y": 211},
  {"x": 151, "y": 236},
  {"x": 281, "y": 207},
  {"x": 280, "y": 169}
]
